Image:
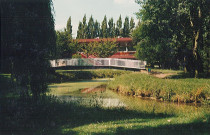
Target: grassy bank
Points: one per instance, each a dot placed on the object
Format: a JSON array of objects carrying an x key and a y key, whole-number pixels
[
  {"x": 176, "y": 90},
  {"x": 50, "y": 116},
  {"x": 73, "y": 75}
]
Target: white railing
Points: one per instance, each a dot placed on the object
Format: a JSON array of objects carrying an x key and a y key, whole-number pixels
[{"x": 100, "y": 62}]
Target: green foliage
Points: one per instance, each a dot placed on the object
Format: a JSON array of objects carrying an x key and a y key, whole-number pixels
[
  {"x": 100, "y": 49},
  {"x": 79, "y": 31},
  {"x": 175, "y": 32},
  {"x": 111, "y": 28},
  {"x": 182, "y": 90},
  {"x": 132, "y": 24},
  {"x": 107, "y": 29},
  {"x": 28, "y": 42},
  {"x": 76, "y": 56},
  {"x": 104, "y": 31},
  {"x": 96, "y": 29},
  {"x": 65, "y": 46},
  {"x": 69, "y": 28},
  {"x": 105, "y": 49},
  {"x": 119, "y": 27},
  {"x": 50, "y": 115},
  {"x": 126, "y": 28},
  {"x": 90, "y": 28}
]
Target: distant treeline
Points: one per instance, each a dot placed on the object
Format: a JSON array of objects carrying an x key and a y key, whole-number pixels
[{"x": 107, "y": 29}]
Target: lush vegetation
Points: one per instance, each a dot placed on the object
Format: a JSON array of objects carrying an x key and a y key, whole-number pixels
[
  {"x": 66, "y": 46},
  {"x": 73, "y": 75},
  {"x": 49, "y": 115},
  {"x": 27, "y": 43},
  {"x": 176, "y": 90},
  {"x": 174, "y": 34},
  {"x": 107, "y": 29}
]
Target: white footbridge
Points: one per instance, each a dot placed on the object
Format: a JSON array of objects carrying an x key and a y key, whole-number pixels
[{"x": 99, "y": 62}]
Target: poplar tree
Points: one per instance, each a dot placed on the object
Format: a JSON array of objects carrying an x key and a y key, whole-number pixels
[
  {"x": 69, "y": 28},
  {"x": 28, "y": 42},
  {"x": 118, "y": 31},
  {"x": 84, "y": 28},
  {"x": 96, "y": 29},
  {"x": 104, "y": 33},
  {"x": 90, "y": 28},
  {"x": 111, "y": 29},
  {"x": 79, "y": 31},
  {"x": 132, "y": 24},
  {"x": 126, "y": 28}
]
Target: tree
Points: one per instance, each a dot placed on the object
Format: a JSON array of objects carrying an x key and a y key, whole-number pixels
[
  {"x": 79, "y": 31},
  {"x": 28, "y": 42},
  {"x": 132, "y": 24},
  {"x": 118, "y": 31},
  {"x": 96, "y": 29},
  {"x": 84, "y": 28},
  {"x": 179, "y": 26},
  {"x": 90, "y": 28},
  {"x": 126, "y": 28},
  {"x": 111, "y": 28},
  {"x": 65, "y": 47},
  {"x": 69, "y": 28},
  {"x": 105, "y": 49},
  {"x": 100, "y": 49},
  {"x": 104, "y": 33}
]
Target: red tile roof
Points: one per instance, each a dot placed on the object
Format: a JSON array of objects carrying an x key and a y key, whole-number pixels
[{"x": 123, "y": 55}]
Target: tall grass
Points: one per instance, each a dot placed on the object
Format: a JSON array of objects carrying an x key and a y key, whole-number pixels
[{"x": 177, "y": 90}]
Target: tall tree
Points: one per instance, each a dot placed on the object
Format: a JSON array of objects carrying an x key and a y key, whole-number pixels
[
  {"x": 65, "y": 47},
  {"x": 178, "y": 27},
  {"x": 118, "y": 31},
  {"x": 28, "y": 42},
  {"x": 111, "y": 28},
  {"x": 96, "y": 29},
  {"x": 84, "y": 27},
  {"x": 79, "y": 31},
  {"x": 104, "y": 33},
  {"x": 126, "y": 28},
  {"x": 90, "y": 28},
  {"x": 69, "y": 28},
  {"x": 132, "y": 24}
]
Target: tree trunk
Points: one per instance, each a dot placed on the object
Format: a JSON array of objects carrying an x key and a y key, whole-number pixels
[
  {"x": 196, "y": 33},
  {"x": 195, "y": 53}
]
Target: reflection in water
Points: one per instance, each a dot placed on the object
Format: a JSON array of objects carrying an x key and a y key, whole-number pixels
[
  {"x": 72, "y": 92},
  {"x": 94, "y": 101}
]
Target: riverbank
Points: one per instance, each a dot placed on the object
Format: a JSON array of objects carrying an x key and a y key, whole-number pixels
[
  {"x": 186, "y": 90},
  {"x": 51, "y": 116}
]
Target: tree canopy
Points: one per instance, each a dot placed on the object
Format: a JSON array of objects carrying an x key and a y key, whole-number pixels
[
  {"x": 174, "y": 34},
  {"x": 27, "y": 42},
  {"x": 107, "y": 29}
]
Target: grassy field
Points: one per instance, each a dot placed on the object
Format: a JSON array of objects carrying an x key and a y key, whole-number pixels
[{"x": 51, "y": 116}]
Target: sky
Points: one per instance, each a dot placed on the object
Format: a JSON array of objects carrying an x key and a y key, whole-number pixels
[{"x": 97, "y": 8}]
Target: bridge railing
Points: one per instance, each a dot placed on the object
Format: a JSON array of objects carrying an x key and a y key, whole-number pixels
[{"x": 100, "y": 62}]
